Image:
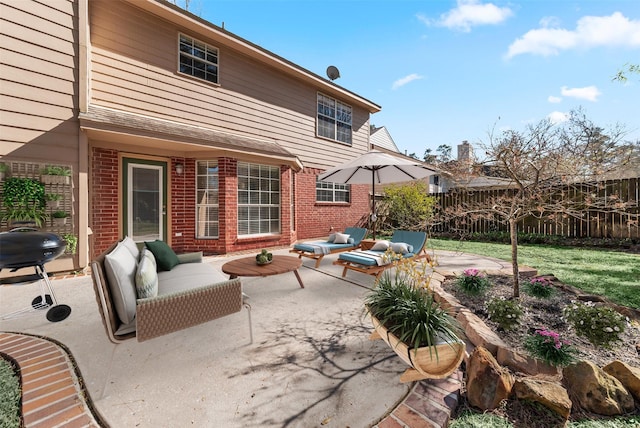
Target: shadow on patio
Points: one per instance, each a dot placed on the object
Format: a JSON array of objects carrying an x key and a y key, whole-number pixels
[{"x": 311, "y": 363}]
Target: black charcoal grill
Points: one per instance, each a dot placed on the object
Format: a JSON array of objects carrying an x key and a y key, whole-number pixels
[{"x": 22, "y": 248}]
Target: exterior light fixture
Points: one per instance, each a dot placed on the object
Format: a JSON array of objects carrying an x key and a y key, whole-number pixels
[{"x": 179, "y": 168}]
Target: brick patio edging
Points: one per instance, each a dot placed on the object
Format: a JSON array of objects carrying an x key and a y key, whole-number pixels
[{"x": 52, "y": 392}]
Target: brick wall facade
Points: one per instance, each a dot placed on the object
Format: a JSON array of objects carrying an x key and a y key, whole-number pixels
[
  {"x": 311, "y": 220},
  {"x": 314, "y": 219}
]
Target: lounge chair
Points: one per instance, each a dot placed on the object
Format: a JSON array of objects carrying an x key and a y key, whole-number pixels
[
  {"x": 318, "y": 249},
  {"x": 372, "y": 262}
]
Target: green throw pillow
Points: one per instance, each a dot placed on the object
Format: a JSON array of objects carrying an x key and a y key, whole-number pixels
[{"x": 166, "y": 258}]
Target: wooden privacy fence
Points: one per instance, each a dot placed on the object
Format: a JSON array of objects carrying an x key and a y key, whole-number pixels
[{"x": 604, "y": 222}]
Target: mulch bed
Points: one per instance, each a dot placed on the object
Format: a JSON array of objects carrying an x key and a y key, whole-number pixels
[{"x": 547, "y": 313}]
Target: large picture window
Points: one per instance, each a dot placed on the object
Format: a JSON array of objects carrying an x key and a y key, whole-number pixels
[
  {"x": 258, "y": 199},
  {"x": 332, "y": 192},
  {"x": 334, "y": 119},
  {"x": 207, "y": 212},
  {"x": 198, "y": 59}
]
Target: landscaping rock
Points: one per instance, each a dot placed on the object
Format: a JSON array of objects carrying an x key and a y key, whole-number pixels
[
  {"x": 627, "y": 375},
  {"x": 487, "y": 382},
  {"x": 551, "y": 395},
  {"x": 479, "y": 333},
  {"x": 516, "y": 361},
  {"x": 596, "y": 391}
]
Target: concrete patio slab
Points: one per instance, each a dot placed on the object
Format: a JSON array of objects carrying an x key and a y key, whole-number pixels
[{"x": 311, "y": 362}]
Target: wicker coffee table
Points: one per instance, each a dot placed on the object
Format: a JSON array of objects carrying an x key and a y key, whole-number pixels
[{"x": 247, "y": 266}]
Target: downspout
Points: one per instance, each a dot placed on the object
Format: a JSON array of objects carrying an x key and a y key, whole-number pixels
[{"x": 83, "y": 141}]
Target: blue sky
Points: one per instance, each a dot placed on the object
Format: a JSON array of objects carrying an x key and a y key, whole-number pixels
[{"x": 448, "y": 71}]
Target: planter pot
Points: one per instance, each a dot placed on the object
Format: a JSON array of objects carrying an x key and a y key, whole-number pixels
[
  {"x": 53, "y": 205},
  {"x": 424, "y": 363},
  {"x": 59, "y": 221},
  {"x": 55, "y": 179}
]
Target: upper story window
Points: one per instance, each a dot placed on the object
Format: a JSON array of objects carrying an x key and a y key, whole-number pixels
[
  {"x": 334, "y": 119},
  {"x": 331, "y": 192},
  {"x": 198, "y": 59}
]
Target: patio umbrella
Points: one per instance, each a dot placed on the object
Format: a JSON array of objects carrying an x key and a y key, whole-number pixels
[{"x": 376, "y": 167}]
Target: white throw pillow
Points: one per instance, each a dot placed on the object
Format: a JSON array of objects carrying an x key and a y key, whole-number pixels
[
  {"x": 146, "y": 278},
  {"x": 381, "y": 245},
  {"x": 121, "y": 266},
  {"x": 400, "y": 247},
  {"x": 341, "y": 238},
  {"x": 132, "y": 247},
  {"x": 332, "y": 237}
]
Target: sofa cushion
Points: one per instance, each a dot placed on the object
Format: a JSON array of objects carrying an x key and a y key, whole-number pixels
[
  {"x": 166, "y": 258},
  {"x": 132, "y": 246},
  {"x": 146, "y": 278},
  {"x": 120, "y": 267},
  {"x": 187, "y": 276}
]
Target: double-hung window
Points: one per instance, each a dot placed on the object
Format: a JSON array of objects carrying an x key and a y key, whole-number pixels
[
  {"x": 258, "y": 199},
  {"x": 198, "y": 59},
  {"x": 334, "y": 119},
  {"x": 332, "y": 192},
  {"x": 207, "y": 212}
]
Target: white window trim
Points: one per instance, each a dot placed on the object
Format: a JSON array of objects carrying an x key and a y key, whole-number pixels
[
  {"x": 335, "y": 120},
  {"x": 208, "y": 46},
  {"x": 198, "y": 205},
  {"x": 259, "y": 205},
  {"x": 333, "y": 193}
]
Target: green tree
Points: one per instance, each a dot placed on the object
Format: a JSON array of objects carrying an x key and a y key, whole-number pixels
[
  {"x": 409, "y": 206},
  {"x": 621, "y": 75}
]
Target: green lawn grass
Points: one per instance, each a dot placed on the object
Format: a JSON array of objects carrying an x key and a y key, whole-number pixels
[{"x": 613, "y": 274}]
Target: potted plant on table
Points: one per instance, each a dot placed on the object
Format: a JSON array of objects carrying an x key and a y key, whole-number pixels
[{"x": 421, "y": 332}]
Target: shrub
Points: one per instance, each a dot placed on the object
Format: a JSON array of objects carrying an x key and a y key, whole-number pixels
[
  {"x": 506, "y": 313},
  {"x": 547, "y": 346},
  {"x": 601, "y": 325},
  {"x": 9, "y": 395},
  {"x": 473, "y": 282},
  {"x": 539, "y": 287}
]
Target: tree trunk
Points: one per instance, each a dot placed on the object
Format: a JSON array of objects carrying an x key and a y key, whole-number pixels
[{"x": 513, "y": 230}]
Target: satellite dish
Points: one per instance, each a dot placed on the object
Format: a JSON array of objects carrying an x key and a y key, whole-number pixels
[{"x": 332, "y": 72}]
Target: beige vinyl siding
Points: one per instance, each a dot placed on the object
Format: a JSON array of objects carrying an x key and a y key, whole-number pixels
[
  {"x": 38, "y": 81},
  {"x": 134, "y": 68}
]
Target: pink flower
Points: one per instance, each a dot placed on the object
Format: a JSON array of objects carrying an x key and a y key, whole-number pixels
[{"x": 472, "y": 272}]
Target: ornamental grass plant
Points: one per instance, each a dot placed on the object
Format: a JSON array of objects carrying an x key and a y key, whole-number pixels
[{"x": 407, "y": 308}]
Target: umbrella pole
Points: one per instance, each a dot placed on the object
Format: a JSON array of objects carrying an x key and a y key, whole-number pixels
[{"x": 373, "y": 216}]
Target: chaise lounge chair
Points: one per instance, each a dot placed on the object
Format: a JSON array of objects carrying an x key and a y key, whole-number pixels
[
  {"x": 318, "y": 249},
  {"x": 372, "y": 262}
]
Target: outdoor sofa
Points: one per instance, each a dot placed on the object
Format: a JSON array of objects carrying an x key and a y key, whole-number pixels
[
  {"x": 337, "y": 243},
  {"x": 403, "y": 243},
  {"x": 143, "y": 294}
]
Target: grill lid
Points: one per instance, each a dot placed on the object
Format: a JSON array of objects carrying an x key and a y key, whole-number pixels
[{"x": 29, "y": 248}]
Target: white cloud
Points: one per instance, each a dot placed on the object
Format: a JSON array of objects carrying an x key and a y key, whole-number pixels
[
  {"x": 554, "y": 99},
  {"x": 470, "y": 13},
  {"x": 558, "y": 117},
  {"x": 589, "y": 93},
  {"x": 590, "y": 31},
  {"x": 405, "y": 80}
]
